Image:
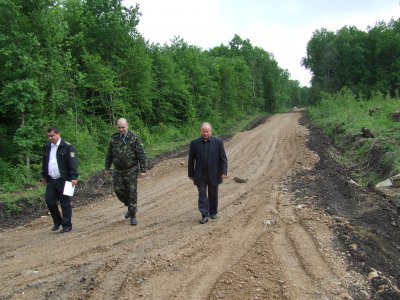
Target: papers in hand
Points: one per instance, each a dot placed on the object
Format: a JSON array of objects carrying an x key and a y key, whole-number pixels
[{"x": 69, "y": 188}]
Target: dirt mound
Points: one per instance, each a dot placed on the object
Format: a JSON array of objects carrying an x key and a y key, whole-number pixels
[
  {"x": 96, "y": 188},
  {"x": 366, "y": 222},
  {"x": 297, "y": 228}
]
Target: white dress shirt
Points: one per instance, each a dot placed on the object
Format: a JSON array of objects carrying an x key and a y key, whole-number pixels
[{"x": 54, "y": 171}]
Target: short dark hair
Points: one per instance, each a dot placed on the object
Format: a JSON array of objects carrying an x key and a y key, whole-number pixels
[{"x": 53, "y": 128}]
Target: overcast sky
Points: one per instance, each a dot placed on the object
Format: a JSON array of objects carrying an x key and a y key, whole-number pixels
[{"x": 281, "y": 27}]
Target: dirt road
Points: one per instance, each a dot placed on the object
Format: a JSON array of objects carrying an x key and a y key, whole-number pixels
[{"x": 264, "y": 245}]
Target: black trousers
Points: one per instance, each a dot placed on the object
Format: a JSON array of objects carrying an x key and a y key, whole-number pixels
[
  {"x": 208, "y": 204},
  {"x": 54, "y": 194}
]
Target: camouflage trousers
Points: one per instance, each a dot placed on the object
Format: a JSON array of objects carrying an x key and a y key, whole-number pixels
[{"x": 125, "y": 187}]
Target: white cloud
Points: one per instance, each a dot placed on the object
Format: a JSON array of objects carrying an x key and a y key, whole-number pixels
[{"x": 280, "y": 27}]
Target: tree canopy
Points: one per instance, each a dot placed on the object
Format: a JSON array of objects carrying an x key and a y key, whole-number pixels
[
  {"x": 363, "y": 61},
  {"x": 82, "y": 64}
]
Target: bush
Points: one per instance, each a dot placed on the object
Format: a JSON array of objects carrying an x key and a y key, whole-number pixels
[
  {"x": 342, "y": 116},
  {"x": 13, "y": 177}
]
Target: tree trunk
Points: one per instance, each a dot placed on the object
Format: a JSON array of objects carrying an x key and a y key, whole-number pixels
[{"x": 27, "y": 158}]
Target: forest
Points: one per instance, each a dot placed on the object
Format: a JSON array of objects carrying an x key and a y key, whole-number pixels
[
  {"x": 366, "y": 62},
  {"x": 82, "y": 64}
]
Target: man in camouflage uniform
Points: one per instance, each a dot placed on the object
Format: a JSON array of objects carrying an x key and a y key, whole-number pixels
[{"x": 126, "y": 153}]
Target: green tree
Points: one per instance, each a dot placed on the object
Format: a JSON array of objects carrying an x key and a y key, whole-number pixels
[
  {"x": 171, "y": 102},
  {"x": 33, "y": 65},
  {"x": 353, "y": 69},
  {"x": 362, "y": 61},
  {"x": 321, "y": 60},
  {"x": 385, "y": 42}
]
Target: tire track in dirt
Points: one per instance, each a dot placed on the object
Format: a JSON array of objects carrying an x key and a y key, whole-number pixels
[
  {"x": 258, "y": 247},
  {"x": 226, "y": 252}
]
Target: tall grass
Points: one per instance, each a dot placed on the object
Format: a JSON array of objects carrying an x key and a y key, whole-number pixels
[
  {"x": 342, "y": 117},
  {"x": 162, "y": 138},
  {"x": 91, "y": 143}
]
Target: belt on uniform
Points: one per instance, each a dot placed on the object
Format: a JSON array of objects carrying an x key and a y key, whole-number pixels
[{"x": 125, "y": 170}]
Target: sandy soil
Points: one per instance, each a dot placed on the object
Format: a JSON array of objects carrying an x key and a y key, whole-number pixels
[{"x": 274, "y": 237}]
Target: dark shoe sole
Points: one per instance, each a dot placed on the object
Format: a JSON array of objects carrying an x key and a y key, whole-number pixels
[
  {"x": 204, "y": 220},
  {"x": 55, "y": 228}
]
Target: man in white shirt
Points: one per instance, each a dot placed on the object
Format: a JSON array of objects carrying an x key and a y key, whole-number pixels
[{"x": 59, "y": 165}]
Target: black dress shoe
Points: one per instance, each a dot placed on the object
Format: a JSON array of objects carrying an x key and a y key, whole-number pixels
[
  {"x": 66, "y": 229},
  {"x": 214, "y": 216},
  {"x": 133, "y": 220},
  {"x": 203, "y": 220},
  {"x": 55, "y": 227}
]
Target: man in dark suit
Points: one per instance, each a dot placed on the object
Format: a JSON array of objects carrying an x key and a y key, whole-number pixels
[
  {"x": 207, "y": 167},
  {"x": 59, "y": 165}
]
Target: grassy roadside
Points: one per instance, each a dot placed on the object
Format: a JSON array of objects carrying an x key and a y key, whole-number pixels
[
  {"x": 364, "y": 131},
  {"x": 167, "y": 141}
]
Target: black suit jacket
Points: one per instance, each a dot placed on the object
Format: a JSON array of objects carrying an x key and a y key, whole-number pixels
[
  {"x": 66, "y": 160},
  {"x": 217, "y": 161}
]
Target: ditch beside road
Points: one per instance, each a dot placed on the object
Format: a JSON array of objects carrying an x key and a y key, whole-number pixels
[{"x": 296, "y": 227}]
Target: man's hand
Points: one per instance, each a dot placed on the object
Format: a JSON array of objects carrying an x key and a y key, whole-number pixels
[
  {"x": 142, "y": 175},
  {"x": 44, "y": 181},
  {"x": 107, "y": 172},
  {"x": 74, "y": 182}
]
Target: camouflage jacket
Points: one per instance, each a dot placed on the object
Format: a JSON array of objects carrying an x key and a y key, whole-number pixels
[{"x": 126, "y": 154}]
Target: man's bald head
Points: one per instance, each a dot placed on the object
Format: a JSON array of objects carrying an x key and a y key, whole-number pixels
[
  {"x": 206, "y": 130},
  {"x": 122, "y": 124}
]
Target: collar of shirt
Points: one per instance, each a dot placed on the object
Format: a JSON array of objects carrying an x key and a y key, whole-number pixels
[{"x": 56, "y": 144}]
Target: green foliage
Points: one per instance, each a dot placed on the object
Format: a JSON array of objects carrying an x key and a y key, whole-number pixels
[
  {"x": 81, "y": 65},
  {"x": 13, "y": 177},
  {"x": 12, "y": 202},
  {"x": 343, "y": 115},
  {"x": 362, "y": 61},
  {"x": 165, "y": 139}
]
